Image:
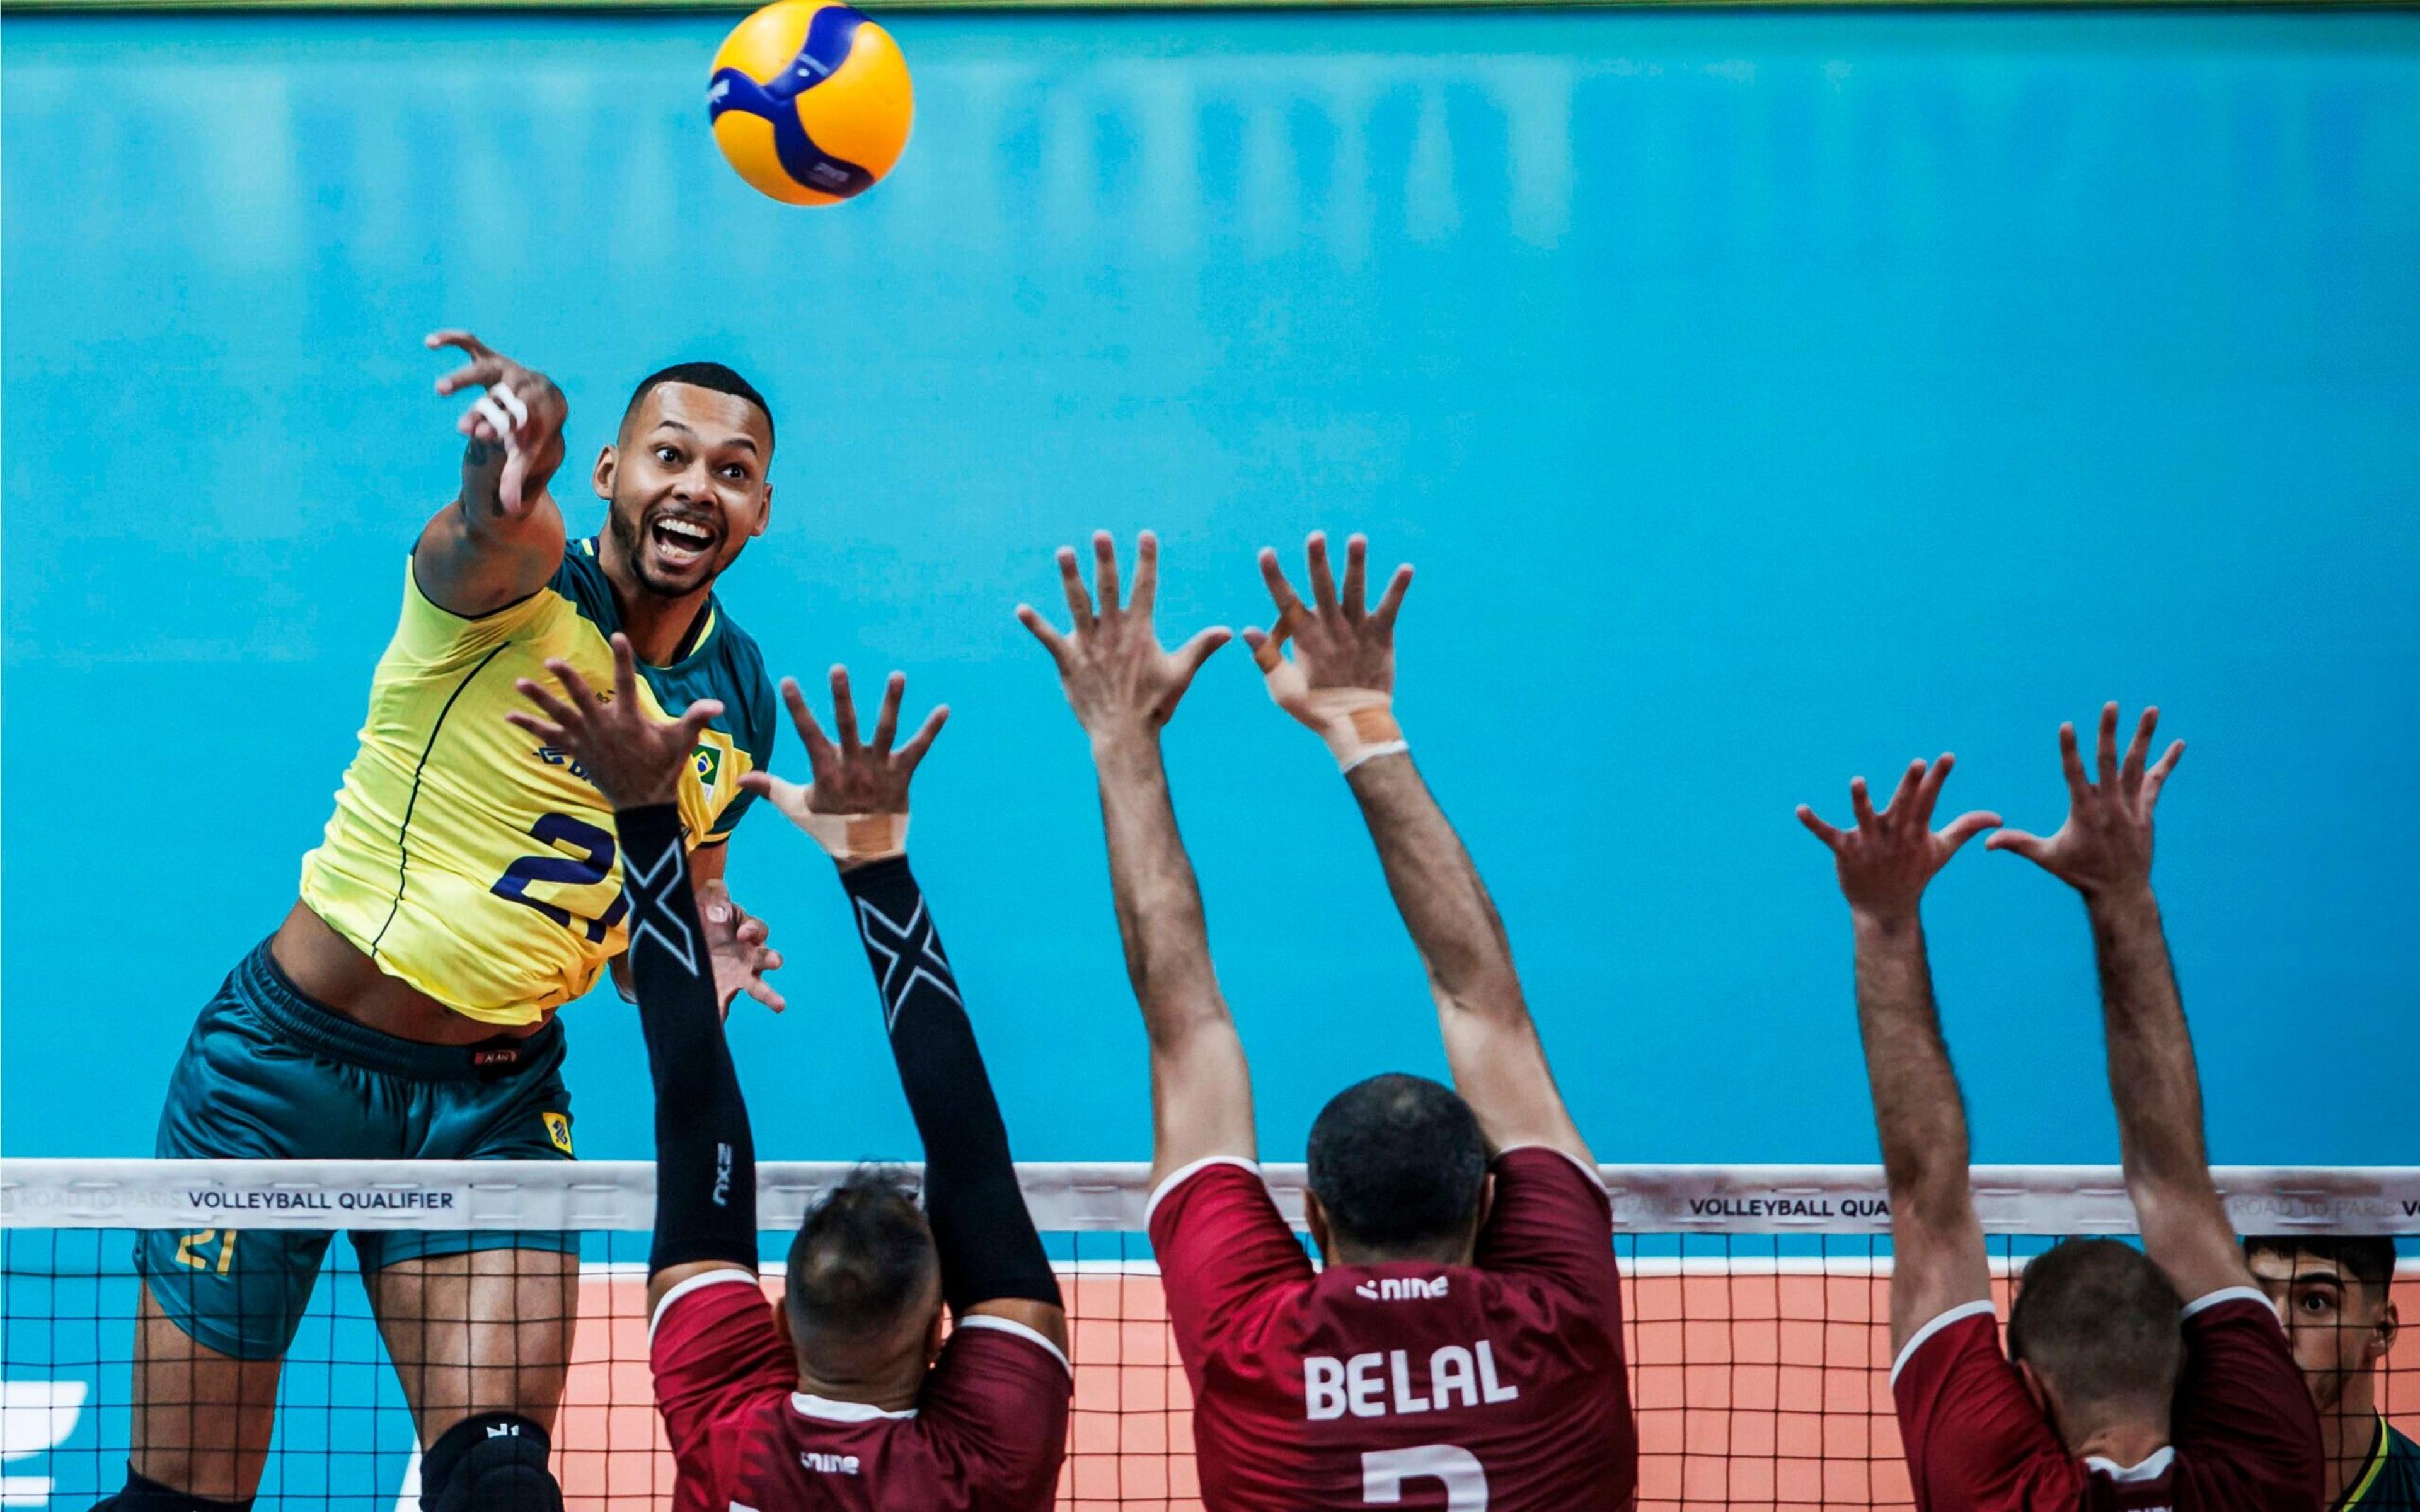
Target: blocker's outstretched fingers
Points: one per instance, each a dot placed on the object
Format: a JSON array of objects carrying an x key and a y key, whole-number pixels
[
  {"x": 1044, "y": 631},
  {"x": 2018, "y": 843},
  {"x": 1816, "y": 827},
  {"x": 546, "y": 730},
  {"x": 1356, "y": 574},
  {"x": 886, "y": 718},
  {"x": 694, "y": 719},
  {"x": 1323, "y": 579},
  {"x": 574, "y": 685},
  {"x": 1966, "y": 826},
  {"x": 802, "y": 718},
  {"x": 1190, "y": 655},
  {"x": 2157, "y": 776},
  {"x": 2070, "y": 761},
  {"x": 1902, "y": 797},
  {"x": 626, "y": 671},
  {"x": 2138, "y": 750},
  {"x": 1928, "y": 792},
  {"x": 1147, "y": 580},
  {"x": 844, "y": 711},
  {"x": 1105, "y": 570},
  {"x": 1391, "y": 601},
  {"x": 1080, "y": 602},
  {"x": 561, "y": 716},
  {"x": 922, "y": 741},
  {"x": 1281, "y": 593}
]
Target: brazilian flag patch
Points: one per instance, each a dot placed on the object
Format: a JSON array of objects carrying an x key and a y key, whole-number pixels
[
  {"x": 709, "y": 765},
  {"x": 558, "y": 1131}
]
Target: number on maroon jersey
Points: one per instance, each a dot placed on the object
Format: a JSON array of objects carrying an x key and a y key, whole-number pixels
[{"x": 1384, "y": 1471}]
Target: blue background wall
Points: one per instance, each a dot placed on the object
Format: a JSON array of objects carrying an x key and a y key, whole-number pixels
[{"x": 1764, "y": 398}]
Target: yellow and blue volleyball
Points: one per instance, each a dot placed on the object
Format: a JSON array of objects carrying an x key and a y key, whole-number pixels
[{"x": 809, "y": 102}]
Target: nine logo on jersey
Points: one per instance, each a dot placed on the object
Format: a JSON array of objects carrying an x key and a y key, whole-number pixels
[{"x": 1403, "y": 1289}]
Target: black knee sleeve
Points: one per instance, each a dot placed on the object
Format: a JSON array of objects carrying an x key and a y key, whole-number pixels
[
  {"x": 493, "y": 1462},
  {"x": 142, "y": 1494}
]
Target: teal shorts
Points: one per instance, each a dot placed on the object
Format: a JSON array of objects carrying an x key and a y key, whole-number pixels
[{"x": 270, "y": 1074}]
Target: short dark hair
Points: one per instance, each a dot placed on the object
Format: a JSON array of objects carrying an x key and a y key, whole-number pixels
[
  {"x": 701, "y": 376},
  {"x": 1397, "y": 1163},
  {"x": 2102, "y": 1325},
  {"x": 863, "y": 1257},
  {"x": 2367, "y": 1259}
]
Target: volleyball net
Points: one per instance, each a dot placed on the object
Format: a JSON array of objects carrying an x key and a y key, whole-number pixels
[{"x": 1757, "y": 1315}]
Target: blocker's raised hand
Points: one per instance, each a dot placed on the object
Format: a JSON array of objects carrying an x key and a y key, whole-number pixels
[
  {"x": 849, "y": 777},
  {"x": 1111, "y": 666},
  {"x": 2105, "y": 846},
  {"x": 1338, "y": 642},
  {"x": 634, "y": 758},
  {"x": 1887, "y": 859},
  {"x": 516, "y": 426}
]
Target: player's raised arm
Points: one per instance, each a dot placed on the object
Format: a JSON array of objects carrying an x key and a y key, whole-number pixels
[
  {"x": 1885, "y": 862},
  {"x": 1124, "y": 687},
  {"x": 2104, "y": 851},
  {"x": 1340, "y": 682},
  {"x": 855, "y": 808},
  {"x": 501, "y": 537},
  {"x": 706, "y": 1161}
]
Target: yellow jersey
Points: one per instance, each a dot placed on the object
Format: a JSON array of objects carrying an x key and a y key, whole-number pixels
[{"x": 469, "y": 858}]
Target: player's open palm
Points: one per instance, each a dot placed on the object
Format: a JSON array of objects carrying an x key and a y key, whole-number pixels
[
  {"x": 1340, "y": 643},
  {"x": 1889, "y": 858},
  {"x": 634, "y": 758},
  {"x": 850, "y": 775},
  {"x": 516, "y": 426},
  {"x": 2105, "y": 846},
  {"x": 1111, "y": 665}
]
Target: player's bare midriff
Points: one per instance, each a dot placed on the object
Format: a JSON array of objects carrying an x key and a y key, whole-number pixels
[{"x": 332, "y": 970}]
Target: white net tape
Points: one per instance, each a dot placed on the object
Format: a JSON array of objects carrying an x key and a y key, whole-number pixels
[{"x": 1108, "y": 1196}]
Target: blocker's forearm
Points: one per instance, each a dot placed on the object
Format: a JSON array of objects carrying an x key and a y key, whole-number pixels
[
  {"x": 1158, "y": 900},
  {"x": 985, "y": 1238},
  {"x": 706, "y": 1158},
  {"x": 1918, "y": 1113},
  {"x": 1438, "y": 889}
]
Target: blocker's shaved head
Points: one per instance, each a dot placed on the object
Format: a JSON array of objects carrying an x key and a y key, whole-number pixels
[{"x": 1398, "y": 1164}]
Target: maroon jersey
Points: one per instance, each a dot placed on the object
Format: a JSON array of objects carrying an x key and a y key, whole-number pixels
[
  {"x": 2244, "y": 1436},
  {"x": 1496, "y": 1386},
  {"x": 986, "y": 1433}
]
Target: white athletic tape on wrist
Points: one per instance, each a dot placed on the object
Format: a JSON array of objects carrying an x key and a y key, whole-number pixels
[
  {"x": 1358, "y": 723},
  {"x": 856, "y": 837}
]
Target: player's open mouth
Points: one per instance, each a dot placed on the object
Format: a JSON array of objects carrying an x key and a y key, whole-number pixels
[{"x": 680, "y": 543}]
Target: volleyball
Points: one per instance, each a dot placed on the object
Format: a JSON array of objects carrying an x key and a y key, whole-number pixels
[{"x": 809, "y": 102}]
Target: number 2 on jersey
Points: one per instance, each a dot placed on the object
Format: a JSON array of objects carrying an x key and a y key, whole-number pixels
[
  {"x": 1384, "y": 1471},
  {"x": 592, "y": 866}
]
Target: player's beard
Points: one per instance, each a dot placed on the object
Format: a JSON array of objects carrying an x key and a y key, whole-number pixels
[{"x": 626, "y": 522}]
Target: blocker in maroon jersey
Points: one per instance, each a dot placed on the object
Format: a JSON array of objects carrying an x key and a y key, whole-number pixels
[
  {"x": 1409, "y": 1383},
  {"x": 984, "y": 1434},
  {"x": 2242, "y": 1436}
]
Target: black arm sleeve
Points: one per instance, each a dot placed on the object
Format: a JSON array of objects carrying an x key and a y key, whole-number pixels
[
  {"x": 988, "y": 1244},
  {"x": 705, "y": 1164}
]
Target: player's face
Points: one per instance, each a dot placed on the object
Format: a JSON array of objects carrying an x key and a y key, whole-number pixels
[
  {"x": 2333, "y": 1321},
  {"x": 688, "y": 486}
]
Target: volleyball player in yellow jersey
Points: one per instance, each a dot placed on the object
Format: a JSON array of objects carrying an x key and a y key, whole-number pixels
[{"x": 467, "y": 888}]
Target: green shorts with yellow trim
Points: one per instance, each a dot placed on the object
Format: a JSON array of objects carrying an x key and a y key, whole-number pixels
[{"x": 270, "y": 1074}]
